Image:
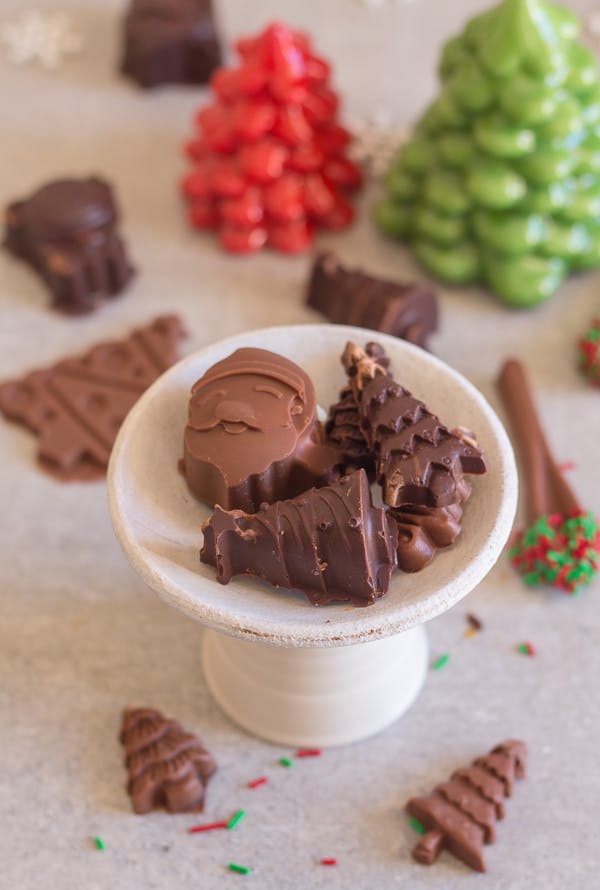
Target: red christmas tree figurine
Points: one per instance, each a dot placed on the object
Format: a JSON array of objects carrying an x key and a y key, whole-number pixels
[{"x": 270, "y": 163}]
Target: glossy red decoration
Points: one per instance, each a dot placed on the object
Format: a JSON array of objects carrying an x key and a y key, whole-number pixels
[{"x": 269, "y": 155}]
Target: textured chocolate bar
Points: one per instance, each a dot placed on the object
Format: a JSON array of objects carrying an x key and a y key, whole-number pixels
[
  {"x": 419, "y": 460},
  {"x": 460, "y": 815},
  {"x": 170, "y": 41},
  {"x": 350, "y": 296},
  {"x": 167, "y": 767},
  {"x": 67, "y": 231},
  {"x": 253, "y": 435},
  {"x": 331, "y": 543},
  {"x": 77, "y": 406}
]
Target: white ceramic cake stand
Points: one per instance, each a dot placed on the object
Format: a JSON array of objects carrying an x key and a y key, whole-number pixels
[{"x": 280, "y": 667}]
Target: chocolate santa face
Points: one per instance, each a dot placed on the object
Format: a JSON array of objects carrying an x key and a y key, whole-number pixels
[{"x": 252, "y": 433}]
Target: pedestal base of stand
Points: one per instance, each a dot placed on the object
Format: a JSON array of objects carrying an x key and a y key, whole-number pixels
[{"x": 315, "y": 697}]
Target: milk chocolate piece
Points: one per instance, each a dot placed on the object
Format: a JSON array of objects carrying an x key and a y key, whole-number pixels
[
  {"x": 67, "y": 230},
  {"x": 422, "y": 531},
  {"x": 331, "y": 543},
  {"x": 253, "y": 434},
  {"x": 170, "y": 41},
  {"x": 350, "y": 296},
  {"x": 167, "y": 767},
  {"x": 419, "y": 460},
  {"x": 77, "y": 406},
  {"x": 460, "y": 815}
]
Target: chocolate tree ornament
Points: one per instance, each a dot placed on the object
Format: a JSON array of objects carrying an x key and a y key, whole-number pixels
[
  {"x": 331, "y": 543},
  {"x": 460, "y": 815},
  {"x": 253, "y": 433},
  {"x": 419, "y": 460},
  {"x": 167, "y": 767},
  {"x": 561, "y": 547},
  {"x": 270, "y": 156},
  {"x": 67, "y": 231},
  {"x": 499, "y": 183},
  {"x": 170, "y": 41},
  {"x": 350, "y": 296},
  {"x": 589, "y": 353}
]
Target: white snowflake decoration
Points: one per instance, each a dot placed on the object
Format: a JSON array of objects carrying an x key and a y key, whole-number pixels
[
  {"x": 376, "y": 141},
  {"x": 40, "y": 38}
]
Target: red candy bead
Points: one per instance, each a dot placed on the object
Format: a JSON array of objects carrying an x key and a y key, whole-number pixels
[{"x": 269, "y": 162}]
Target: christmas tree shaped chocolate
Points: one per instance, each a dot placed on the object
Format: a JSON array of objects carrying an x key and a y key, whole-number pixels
[
  {"x": 330, "y": 542},
  {"x": 460, "y": 815},
  {"x": 418, "y": 459},
  {"x": 167, "y": 767},
  {"x": 500, "y": 183},
  {"x": 270, "y": 162}
]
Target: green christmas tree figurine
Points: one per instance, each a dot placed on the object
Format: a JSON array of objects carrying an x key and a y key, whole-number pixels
[{"x": 500, "y": 183}]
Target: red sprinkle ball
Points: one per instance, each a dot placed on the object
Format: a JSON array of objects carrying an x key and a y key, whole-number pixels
[
  {"x": 559, "y": 551},
  {"x": 329, "y": 861},
  {"x": 589, "y": 353},
  {"x": 269, "y": 156}
]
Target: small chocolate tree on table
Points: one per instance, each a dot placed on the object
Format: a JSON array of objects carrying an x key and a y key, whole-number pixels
[{"x": 561, "y": 547}]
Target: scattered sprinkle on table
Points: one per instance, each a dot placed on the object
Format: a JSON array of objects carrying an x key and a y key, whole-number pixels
[
  {"x": 239, "y": 869},
  {"x": 286, "y": 761},
  {"x": 470, "y": 633},
  {"x": 99, "y": 843},
  {"x": 236, "y": 819},
  {"x": 309, "y": 752},
  {"x": 210, "y": 826},
  {"x": 441, "y": 662},
  {"x": 474, "y": 621},
  {"x": 527, "y": 649},
  {"x": 256, "y": 783},
  {"x": 414, "y": 823},
  {"x": 329, "y": 861}
]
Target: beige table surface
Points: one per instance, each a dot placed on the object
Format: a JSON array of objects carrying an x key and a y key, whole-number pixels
[{"x": 80, "y": 636}]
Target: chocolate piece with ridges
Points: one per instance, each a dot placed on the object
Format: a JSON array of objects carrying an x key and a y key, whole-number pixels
[
  {"x": 350, "y": 296},
  {"x": 76, "y": 407},
  {"x": 170, "y": 41},
  {"x": 460, "y": 815},
  {"x": 67, "y": 231},
  {"x": 331, "y": 543},
  {"x": 422, "y": 531},
  {"x": 253, "y": 435},
  {"x": 419, "y": 460},
  {"x": 167, "y": 767}
]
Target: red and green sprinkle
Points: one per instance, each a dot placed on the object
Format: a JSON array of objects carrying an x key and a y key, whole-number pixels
[
  {"x": 559, "y": 551},
  {"x": 589, "y": 353}
]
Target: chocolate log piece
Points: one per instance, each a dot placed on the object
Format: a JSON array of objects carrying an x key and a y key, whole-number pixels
[
  {"x": 167, "y": 767},
  {"x": 419, "y": 460},
  {"x": 349, "y": 296},
  {"x": 170, "y": 41},
  {"x": 77, "y": 406},
  {"x": 460, "y": 815},
  {"x": 253, "y": 435},
  {"x": 331, "y": 543},
  {"x": 67, "y": 230},
  {"x": 343, "y": 423}
]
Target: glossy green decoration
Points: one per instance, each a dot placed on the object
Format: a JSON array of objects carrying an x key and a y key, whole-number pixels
[{"x": 500, "y": 183}]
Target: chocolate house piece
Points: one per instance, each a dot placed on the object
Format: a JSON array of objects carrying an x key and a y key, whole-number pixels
[
  {"x": 253, "y": 435},
  {"x": 350, "y": 296},
  {"x": 67, "y": 231},
  {"x": 460, "y": 816},
  {"x": 167, "y": 767},
  {"x": 331, "y": 543},
  {"x": 76, "y": 406},
  {"x": 419, "y": 460},
  {"x": 170, "y": 41}
]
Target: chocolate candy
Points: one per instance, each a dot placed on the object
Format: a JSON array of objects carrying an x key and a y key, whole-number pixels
[
  {"x": 67, "y": 231},
  {"x": 77, "y": 406},
  {"x": 419, "y": 461},
  {"x": 167, "y": 767},
  {"x": 422, "y": 531},
  {"x": 253, "y": 433},
  {"x": 270, "y": 155},
  {"x": 349, "y": 296},
  {"x": 460, "y": 815},
  {"x": 331, "y": 543},
  {"x": 170, "y": 41}
]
